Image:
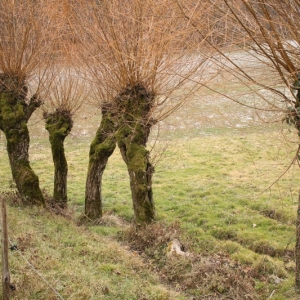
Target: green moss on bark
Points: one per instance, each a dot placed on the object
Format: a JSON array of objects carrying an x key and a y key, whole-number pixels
[
  {"x": 101, "y": 149},
  {"x": 14, "y": 114},
  {"x": 135, "y": 103},
  {"x": 127, "y": 122},
  {"x": 137, "y": 157},
  {"x": 59, "y": 125}
]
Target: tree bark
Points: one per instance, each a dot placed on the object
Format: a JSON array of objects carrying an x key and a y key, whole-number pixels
[
  {"x": 14, "y": 115},
  {"x": 59, "y": 125},
  {"x": 101, "y": 149},
  {"x": 140, "y": 173},
  {"x": 296, "y": 121},
  {"x": 132, "y": 136},
  {"x": 297, "y": 249},
  {"x": 5, "y": 266}
]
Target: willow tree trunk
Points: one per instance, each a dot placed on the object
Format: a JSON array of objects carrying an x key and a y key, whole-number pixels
[
  {"x": 14, "y": 115},
  {"x": 140, "y": 173},
  {"x": 101, "y": 149},
  {"x": 132, "y": 136},
  {"x": 59, "y": 125}
]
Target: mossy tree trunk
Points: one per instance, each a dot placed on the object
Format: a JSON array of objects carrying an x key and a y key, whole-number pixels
[
  {"x": 59, "y": 125},
  {"x": 15, "y": 112},
  {"x": 101, "y": 149},
  {"x": 132, "y": 136}
]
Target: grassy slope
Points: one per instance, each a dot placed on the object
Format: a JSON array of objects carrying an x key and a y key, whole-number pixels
[
  {"x": 213, "y": 180},
  {"x": 78, "y": 263}
]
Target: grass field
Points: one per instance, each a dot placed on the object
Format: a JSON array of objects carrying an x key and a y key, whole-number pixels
[{"x": 221, "y": 186}]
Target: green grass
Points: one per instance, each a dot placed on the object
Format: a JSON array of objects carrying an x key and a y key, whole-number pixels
[
  {"x": 221, "y": 185},
  {"x": 77, "y": 262}
]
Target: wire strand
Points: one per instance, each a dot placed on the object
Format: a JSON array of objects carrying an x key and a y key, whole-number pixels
[{"x": 37, "y": 272}]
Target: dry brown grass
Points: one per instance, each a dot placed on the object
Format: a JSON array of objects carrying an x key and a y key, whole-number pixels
[{"x": 205, "y": 276}]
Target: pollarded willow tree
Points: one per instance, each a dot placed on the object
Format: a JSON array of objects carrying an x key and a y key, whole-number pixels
[
  {"x": 273, "y": 37},
  {"x": 135, "y": 54},
  {"x": 263, "y": 55},
  {"x": 25, "y": 43},
  {"x": 67, "y": 93}
]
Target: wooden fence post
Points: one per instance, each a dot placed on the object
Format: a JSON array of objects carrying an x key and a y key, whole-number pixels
[{"x": 5, "y": 268}]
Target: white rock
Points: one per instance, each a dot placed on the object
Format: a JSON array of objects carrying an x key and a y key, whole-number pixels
[{"x": 175, "y": 248}]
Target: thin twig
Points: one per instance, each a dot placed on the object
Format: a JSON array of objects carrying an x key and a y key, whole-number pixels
[{"x": 273, "y": 292}]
